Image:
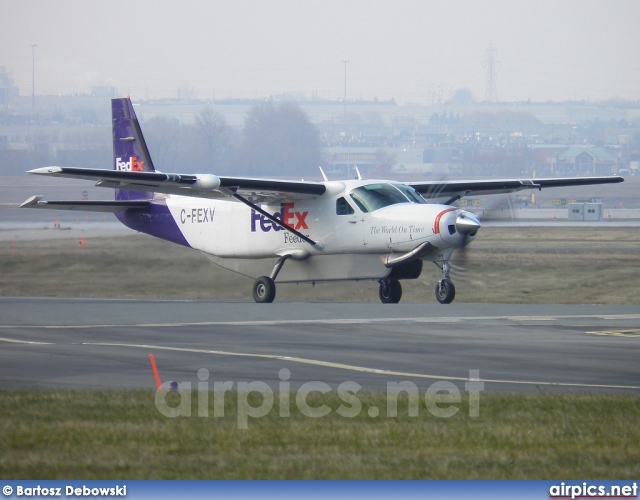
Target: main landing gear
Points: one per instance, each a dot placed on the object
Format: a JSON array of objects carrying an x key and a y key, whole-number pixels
[
  {"x": 264, "y": 288},
  {"x": 390, "y": 291}
]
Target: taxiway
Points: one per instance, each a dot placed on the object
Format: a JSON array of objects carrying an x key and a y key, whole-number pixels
[{"x": 100, "y": 343}]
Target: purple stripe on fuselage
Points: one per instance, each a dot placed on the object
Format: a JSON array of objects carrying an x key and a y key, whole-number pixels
[{"x": 155, "y": 220}]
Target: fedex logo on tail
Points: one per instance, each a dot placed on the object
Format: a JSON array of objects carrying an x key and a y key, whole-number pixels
[
  {"x": 295, "y": 220},
  {"x": 133, "y": 165}
]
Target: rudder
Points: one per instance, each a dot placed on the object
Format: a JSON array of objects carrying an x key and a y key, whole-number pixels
[{"x": 130, "y": 151}]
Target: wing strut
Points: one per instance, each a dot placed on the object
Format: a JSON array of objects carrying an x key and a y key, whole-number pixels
[
  {"x": 316, "y": 244},
  {"x": 454, "y": 199}
]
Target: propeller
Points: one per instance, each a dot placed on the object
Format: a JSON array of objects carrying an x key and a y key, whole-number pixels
[{"x": 467, "y": 224}]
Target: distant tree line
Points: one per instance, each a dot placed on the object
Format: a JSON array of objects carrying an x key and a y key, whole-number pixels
[{"x": 276, "y": 140}]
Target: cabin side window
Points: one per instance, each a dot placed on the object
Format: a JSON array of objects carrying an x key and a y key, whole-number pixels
[{"x": 343, "y": 207}]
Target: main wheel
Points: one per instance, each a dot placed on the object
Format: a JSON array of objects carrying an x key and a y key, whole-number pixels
[
  {"x": 390, "y": 291},
  {"x": 445, "y": 292},
  {"x": 264, "y": 290}
]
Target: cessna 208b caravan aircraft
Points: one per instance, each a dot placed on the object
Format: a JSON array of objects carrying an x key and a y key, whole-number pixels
[{"x": 292, "y": 231}]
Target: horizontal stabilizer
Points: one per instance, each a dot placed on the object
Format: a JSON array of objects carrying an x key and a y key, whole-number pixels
[{"x": 85, "y": 206}]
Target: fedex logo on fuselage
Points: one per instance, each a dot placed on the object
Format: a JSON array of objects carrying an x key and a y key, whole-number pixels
[
  {"x": 295, "y": 220},
  {"x": 133, "y": 165}
]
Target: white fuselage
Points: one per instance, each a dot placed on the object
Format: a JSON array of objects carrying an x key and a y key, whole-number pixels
[{"x": 353, "y": 241}]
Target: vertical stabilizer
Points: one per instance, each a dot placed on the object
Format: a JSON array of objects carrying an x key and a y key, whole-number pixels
[{"x": 130, "y": 152}]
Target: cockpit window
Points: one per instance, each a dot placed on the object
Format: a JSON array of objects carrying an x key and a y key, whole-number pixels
[
  {"x": 411, "y": 193},
  {"x": 376, "y": 196},
  {"x": 343, "y": 207}
]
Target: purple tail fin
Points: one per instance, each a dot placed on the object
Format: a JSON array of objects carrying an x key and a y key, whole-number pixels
[{"x": 130, "y": 152}]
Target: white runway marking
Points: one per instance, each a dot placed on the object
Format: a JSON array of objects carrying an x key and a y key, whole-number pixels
[
  {"x": 363, "y": 369},
  {"x": 358, "y": 321},
  {"x": 629, "y": 333},
  {"x": 15, "y": 341}
]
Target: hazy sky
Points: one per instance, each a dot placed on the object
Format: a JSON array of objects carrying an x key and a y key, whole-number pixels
[{"x": 412, "y": 50}]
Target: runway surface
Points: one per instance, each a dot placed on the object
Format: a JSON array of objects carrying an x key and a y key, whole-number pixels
[{"x": 98, "y": 343}]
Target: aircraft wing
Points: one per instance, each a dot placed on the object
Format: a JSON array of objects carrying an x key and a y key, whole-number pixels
[
  {"x": 272, "y": 190},
  {"x": 195, "y": 185},
  {"x": 436, "y": 189}
]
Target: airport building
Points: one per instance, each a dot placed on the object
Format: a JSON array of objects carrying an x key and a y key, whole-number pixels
[
  {"x": 586, "y": 160},
  {"x": 585, "y": 212}
]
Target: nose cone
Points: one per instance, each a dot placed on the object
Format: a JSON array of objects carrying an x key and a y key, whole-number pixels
[{"x": 467, "y": 223}]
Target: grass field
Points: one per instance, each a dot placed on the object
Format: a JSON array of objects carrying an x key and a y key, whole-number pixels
[
  {"x": 513, "y": 265},
  {"x": 96, "y": 435}
]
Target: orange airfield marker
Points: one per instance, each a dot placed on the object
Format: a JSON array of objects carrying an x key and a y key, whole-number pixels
[{"x": 155, "y": 371}]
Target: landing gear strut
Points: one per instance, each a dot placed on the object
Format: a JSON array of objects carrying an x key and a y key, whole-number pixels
[
  {"x": 390, "y": 291},
  {"x": 264, "y": 288},
  {"x": 445, "y": 291}
]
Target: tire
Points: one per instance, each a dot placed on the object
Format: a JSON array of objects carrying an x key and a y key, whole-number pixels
[
  {"x": 390, "y": 292},
  {"x": 264, "y": 290},
  {"x": 445, "y": 292}
]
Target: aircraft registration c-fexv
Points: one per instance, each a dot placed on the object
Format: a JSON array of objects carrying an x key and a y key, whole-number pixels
[{"x": 292, "y": 231}]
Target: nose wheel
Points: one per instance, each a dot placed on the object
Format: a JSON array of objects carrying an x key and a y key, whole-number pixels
[{"x": 445, "y": 291}]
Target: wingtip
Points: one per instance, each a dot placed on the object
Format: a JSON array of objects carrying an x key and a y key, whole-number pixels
[
  {"x": 45, "y": 170},
  {"x": 34, "y": 200}
]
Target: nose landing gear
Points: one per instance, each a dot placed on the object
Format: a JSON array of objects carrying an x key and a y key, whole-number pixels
[{"x": 445, "y": 291}]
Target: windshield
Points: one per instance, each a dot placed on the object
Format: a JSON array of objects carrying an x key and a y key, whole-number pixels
[
  {"x": 411, "y": 193},
  {"x": 376, "y": 196}
]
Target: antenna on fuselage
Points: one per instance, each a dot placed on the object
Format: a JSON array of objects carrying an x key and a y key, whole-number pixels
[
  {"x": 323, "y": 175},
  {"x": 358, "y": 172}
]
